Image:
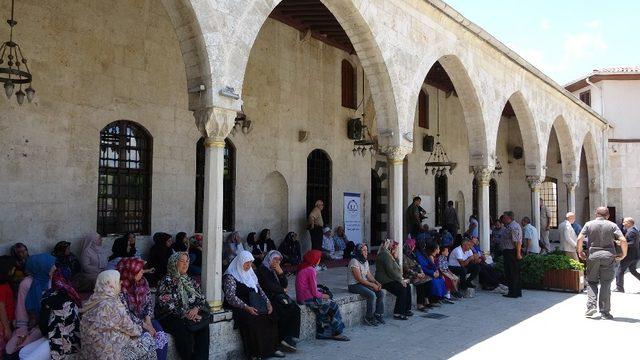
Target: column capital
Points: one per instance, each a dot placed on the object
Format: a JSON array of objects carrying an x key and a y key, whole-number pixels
[
  {"x": 534, "y": 182},
  {"x": 571, "y": 185},
  {"x": 215, "y": 123},
  {"x": 483, "y": 174},
  {"x": 396, "y": 153}
]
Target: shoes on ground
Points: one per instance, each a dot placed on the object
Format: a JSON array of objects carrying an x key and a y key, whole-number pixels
[
  {"x": 370, "y": 321},
  {"x": 447, "y": 301},
  {"x": 606, "y": 316},
  {"x": 618, "y": 290},
  {"x": 409, "y": 313},
  {"x": 278, "y": 354},
  {"x": 590, "y": 313},
  {"x": 288, "y": 345},
  {"x": 400, "y": 317},
  {"x": 379, "y": 319}
]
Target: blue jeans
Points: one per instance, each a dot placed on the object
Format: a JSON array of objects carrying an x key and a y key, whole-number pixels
[{"x": 373, "y": 297}]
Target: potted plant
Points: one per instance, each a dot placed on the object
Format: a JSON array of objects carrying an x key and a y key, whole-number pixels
[{"x": 563, "y": 273}]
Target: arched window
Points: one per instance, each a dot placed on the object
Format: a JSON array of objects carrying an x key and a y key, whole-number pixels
[
  {"x": 423, "y": 109},
  {"x": 319, "y": 182},
  {"x": 349, "y": 85},
  {"x": 549, "y": 195},
  {"x": 441, "y": 198},
  {"x": 228, "y": 186},
  {"x": 124, "y": 179}
]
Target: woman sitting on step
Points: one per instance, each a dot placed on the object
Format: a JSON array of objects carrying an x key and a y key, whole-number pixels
[
  {"x": 252, "y": 309},
  {"x": 389, "y": 274},
  {"x": 361, "y": 281},
  {"x": 329, "y": 323}
]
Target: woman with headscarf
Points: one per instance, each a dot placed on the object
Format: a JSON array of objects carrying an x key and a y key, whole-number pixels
[
  {"x": 264, "y": 241},
  {"x": 329, "y": 323},
  {"x": 252, "y": 309},
  {"x": 123, "y": 247},
  {"x": 361, "y": 281},
  {"x": 108, "y": 333},
  {"x": 40, "y": 268},
  {"x": 93, "y": 261},
  {"x": 158, "y": 257},
  {"x": 274, "y": 282},
  {"x": 137, "y": 298},
  {"x": 290, "y": 249},
  {"x": 182, "y": 309},
  {"x": 255, "y": 248},
  {"x": 411, "y": 270},
  {"x": 231, "y": 247},
  {"x": 20, "y": 253},
  {"x": 195, "y": 255},
  {"x": 427, "y": 261},
  {"x": 181, "y": 243},
  {"x": 66, "y": 261},
  {"x": 389, "y": 274},
  {"x": 7, "y": 302},
  {"x": 59, "y": 322}
]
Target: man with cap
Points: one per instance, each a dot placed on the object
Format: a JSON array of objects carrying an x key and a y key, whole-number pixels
[
  {"x": 328, "y": 246},
  {"x": 603, "y": 236}
]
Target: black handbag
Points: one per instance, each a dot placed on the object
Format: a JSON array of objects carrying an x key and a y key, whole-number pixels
[
  {"x": 257, "y": 302},
  {"x": 195, "y": 326}
]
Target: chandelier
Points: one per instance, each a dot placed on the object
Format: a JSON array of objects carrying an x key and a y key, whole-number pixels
[
  {"x": 364, "y": 144},
  {"x": 438, "y": 162},
  {"x": 15, "y": 71}
]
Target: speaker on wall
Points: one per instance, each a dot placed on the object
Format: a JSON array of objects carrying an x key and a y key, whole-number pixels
[
  {"x": 354, "y": 129},
  {"x": 518, "y": 152},
  {"x": 427, "y": 143}
]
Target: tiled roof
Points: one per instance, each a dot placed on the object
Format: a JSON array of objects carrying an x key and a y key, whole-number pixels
[{"x": 619, "y": 70}]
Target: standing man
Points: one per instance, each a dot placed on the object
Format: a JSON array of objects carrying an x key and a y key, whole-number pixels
[
  {"x": 315, "y": 224},
  {"x": 415, "y": 214},
  {"x": 531, "y": 242},
  {"x": 631, "y": 260},
  {"x": 568, "y": 237},
  {"x": 603, "y": 236},
  {"x": 511, "y": 246},
  {"x": 545, "y": 225},
  {"x": 451, "y": 218}
]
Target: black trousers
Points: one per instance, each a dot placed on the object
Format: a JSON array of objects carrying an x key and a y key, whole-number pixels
[
  {"x": 316, "y": 237},
  {"x": 190, "y": 345},
  {"x": 421, "y": 292},
  {"x": 629, "y": 262},
  {"x": 402, "y": 294},
  {"x": 462, "y": 271},
  {"x": 512, "y": 272}
]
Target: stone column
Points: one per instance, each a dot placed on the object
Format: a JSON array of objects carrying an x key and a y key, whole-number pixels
[
  {"x": 214, "y": 124},
  {"x": 534, "y": 184},
  {"x": 395, "y": 155},
  {"x": 571, "y": 196},
  {"x": 483, "y": 177}
]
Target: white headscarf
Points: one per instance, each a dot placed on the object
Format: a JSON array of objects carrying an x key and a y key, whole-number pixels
[
  {"x": 107, "y": 289},
  {"x": 92, "y": 250},
  {"x": 235, "y": 269},
  {"x": 269, "y": 258}
]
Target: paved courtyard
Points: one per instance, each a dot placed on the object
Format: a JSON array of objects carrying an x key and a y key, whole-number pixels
[{"x": 541, "y": 325}]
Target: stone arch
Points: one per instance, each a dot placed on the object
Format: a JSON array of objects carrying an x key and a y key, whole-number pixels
[
  {"x": 186, "y": 22},
  {"x": 274, "y": 205},
  {"x": 529, "y": 133},
  {"x": 232, "y": 61},
  {"x": 466, "y": 91},
  {"x": 570, "y": 160},
  {"x": 593, "y": 164}
]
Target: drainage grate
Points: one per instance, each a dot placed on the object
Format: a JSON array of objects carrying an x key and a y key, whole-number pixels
[{"x": 435, "y": 316}]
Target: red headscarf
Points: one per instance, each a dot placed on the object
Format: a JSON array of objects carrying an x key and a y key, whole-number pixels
[
  {"x": 59, "y": 282},
  {"x": 310, "y": 258},
  {"x": 136, "y": 292}
]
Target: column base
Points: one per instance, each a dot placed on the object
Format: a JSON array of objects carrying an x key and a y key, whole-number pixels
[{"x": 215, "y": 306}]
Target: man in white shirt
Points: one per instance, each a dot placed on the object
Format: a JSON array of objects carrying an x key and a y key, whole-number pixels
[
  {"x": 463, "y": 262},
  {"x": 328, "y": 246},
  {"x": 531, "y": 243},
  {"x": 568, "y": 237}
]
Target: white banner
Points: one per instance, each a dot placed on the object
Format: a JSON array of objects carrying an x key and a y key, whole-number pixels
[{"x": 352, "y": 217}]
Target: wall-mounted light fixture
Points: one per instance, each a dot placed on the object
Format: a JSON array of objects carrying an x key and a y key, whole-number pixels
[
  {"x": 229, "y": 92},
  {"x": 242, "y": 124}
]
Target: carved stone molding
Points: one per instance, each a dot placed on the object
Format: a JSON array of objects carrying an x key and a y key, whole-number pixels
[
  {"x": 396, "y": 154},
  {"x": 534, "y": 182},
  {"x": 483, "y": 174},
  {"x": 215, "y": 123},
  {"x": 571, "y": 185}
]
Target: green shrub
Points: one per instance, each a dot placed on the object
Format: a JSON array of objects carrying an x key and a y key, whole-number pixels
[{"x": 534, "y": 266}]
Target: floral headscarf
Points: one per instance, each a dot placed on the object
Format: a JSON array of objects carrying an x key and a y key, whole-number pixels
[
  {"x": 60, "y": 282},
  {"x": 185, "y": 284},
  {"x": 107, "y": 289},
  {"x": 136, "y": 291}
]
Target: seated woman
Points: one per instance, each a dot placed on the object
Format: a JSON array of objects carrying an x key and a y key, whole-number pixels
[
  {"x": 389, "y": 274},
  {"x": 107, "y": 329},
  {"x": 59, "y": 322},
  {"x": 427, "y": 261},
  {"x": 274, "y": 282},
  {"x": 93, "y": 261},
  {"x": 40, "y": 268},
  {"x": 20, "y": 253},
  {"x": 252, "y": 310},
  {"x": 195, "y": 255},
  {"x": 340, "y": 239},
  {"x": 254, "y": 248},
  {"x": 411, "y": 270},
  {"x": 182, "y": 309},
  {"x": 361, "y": 281},
  {"x": 231, "y": 247},
  {"x": 290, "y": 249},
  {"x": 181, "y": 243},
  {"x": 451, "y": 280},
  {"x": 329, "y": 323},
  {"x": 66, "y": 261},
  {"x": 158, "y": 257},
  {"x": 123, "y": 247},
  {"x": 137, "y": 298},
  {"x": 7, "y": 303}
]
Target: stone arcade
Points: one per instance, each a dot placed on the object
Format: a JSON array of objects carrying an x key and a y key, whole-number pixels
[{"x": 115, "y": 72}]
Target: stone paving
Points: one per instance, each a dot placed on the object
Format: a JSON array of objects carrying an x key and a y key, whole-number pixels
[{"x": 540, "y": 325}]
